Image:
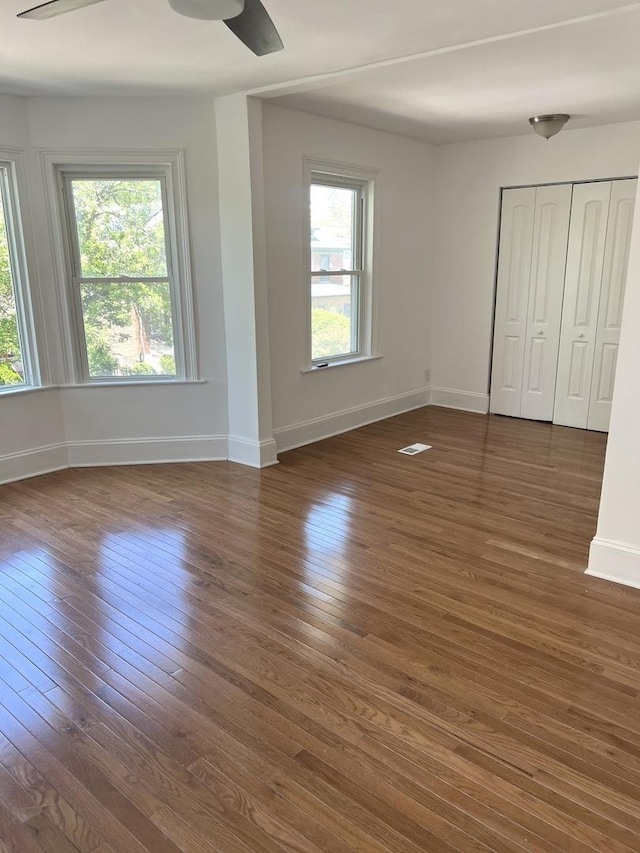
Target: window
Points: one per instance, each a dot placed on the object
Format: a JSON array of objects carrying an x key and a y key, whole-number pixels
[
  {"x": 127, "y": 305},
  {"x": 16, "y": 340},
  {"x": 340, "y": 266}
]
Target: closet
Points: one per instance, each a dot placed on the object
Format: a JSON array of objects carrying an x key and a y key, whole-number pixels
[{"x": 562, "y": 268}]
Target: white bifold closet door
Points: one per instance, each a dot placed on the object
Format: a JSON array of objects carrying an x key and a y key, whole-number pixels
[
  {"x": 601, "y": 220},
  {"x": 614, "y": 277},
  {"x": 531, "y": 267}
]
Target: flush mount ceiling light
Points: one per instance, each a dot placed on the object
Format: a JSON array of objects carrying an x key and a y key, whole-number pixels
[
  {"x": 208, "y": 10},
  {"x": 548, "y": 126}
]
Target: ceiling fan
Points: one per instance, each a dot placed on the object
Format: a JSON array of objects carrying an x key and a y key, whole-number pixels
[{"x": 247, "y": 19}]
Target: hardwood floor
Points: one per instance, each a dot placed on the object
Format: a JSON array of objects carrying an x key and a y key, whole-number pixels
[{"x": 352, "y": 651}]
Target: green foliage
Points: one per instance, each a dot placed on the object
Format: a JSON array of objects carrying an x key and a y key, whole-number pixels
[
  {"x": 121, "y": 233},
  {"x": 120, "y": 227},
  {"x": 101, "y": 361},
  {"x": 9, "y": 341},
  {"x": 331, "y": 333},
  {"x": 140, "y": 369},
  {"x": 8, "y": 375},
  {"x": 167, "y": 365}
]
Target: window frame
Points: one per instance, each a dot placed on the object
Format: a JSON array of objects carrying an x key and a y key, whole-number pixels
[
  {"x": 11, "y": 189},
  {"x": 362, "y": 180},
  {"x": 169, "y": 170}
]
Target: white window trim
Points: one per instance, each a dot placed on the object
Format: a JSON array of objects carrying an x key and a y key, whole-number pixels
[
  {"x": 166, "y": 164},
  {"x": 17, "y": 227},
  {"x": 365, "y": 178}
]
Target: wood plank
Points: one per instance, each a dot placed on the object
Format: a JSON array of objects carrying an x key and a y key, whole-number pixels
[{"x": 353, "y": 650}]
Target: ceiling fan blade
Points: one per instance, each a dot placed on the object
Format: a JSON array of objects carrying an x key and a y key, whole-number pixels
[
  {"x": 56, "y": 7},
  {"x": 254, "y": 27}
]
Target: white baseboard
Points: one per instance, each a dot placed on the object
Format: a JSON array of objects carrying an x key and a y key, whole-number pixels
[
  {"x": 615, "y": 561},
  {"x": 32, "y": 463},
  {"x": 466, "y": 401},
  {"x": 327, "y": 426},
  {"x": 142, "y": 451},
  {"x": 215, "y": 448},
  {"x": 135, "y": 451},
  {"x": 256, "y": 454}
]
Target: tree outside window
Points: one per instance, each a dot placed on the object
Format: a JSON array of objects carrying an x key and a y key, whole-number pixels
[
  {"x": 123, "y": 276},
  {"x": 13, "y": 370},
  {"x": 336, "y": 267}
]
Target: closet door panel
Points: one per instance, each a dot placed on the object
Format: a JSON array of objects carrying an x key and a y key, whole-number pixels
[
  {"x": 550, "y": 238},
  {"x": 514, "y": 268},
  {"x": 585, "y": 260},
  {"x": 623, "y": 194}
]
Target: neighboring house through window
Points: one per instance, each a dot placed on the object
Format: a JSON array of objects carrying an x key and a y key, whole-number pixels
[{"x": 341, "y": 207}]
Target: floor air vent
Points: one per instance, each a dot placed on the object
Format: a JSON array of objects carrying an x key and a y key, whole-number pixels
[{"x": 415, "y": 448}]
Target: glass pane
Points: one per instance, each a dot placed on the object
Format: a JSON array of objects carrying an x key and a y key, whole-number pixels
[
  {"x": 128, "y": 329},
  {"x": 333, "y": 227},
  {"x": 120, "y": 227},
  {"x": 334, "y": 316},
  {"x": 11, "y": 366}
]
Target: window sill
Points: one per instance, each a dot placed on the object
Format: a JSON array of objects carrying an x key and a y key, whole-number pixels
[
  {"x": 341, "y": 363},
  {"x": 134, "y": 383},
  {"x": 13, "y": 391}
]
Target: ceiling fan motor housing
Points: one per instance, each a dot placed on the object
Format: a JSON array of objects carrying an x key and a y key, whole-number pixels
[{"x": 208, "y": 10}]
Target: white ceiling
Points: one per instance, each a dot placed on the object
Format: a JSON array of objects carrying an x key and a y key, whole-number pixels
[
  {"x": 412, "y": 66},
  {"x": 589, "y": 70}
]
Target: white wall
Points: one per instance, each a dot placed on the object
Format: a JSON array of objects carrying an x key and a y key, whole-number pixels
[
  {"x": 122, "y": 424},
  {"x": 28, "y": 421},
  {"x": 437, "y": 218},
  {"x": 405, "y": 207},
  {"x": 96, "y": 414},
  {"x": 615, "y": 551},
  {"x": 469, "y": 178},
  {"x": 242, "y": 229},
  {"x": 14, "y": 128}
]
